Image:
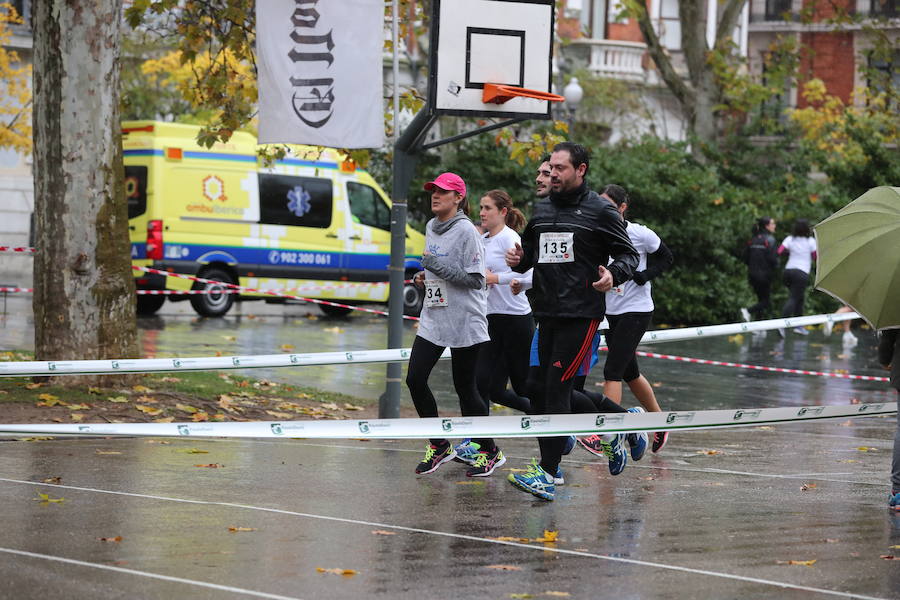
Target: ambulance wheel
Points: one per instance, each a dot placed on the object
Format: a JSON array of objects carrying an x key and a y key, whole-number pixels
[
  {"x": 413, "y": 297},
  {"x": 147, "y": 305},
  {"x": 217, "y": 302},
  {"x": 335, "y": 311}
]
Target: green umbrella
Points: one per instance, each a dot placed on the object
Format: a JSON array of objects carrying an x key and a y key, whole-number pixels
[{"x": 859, "y": 256}]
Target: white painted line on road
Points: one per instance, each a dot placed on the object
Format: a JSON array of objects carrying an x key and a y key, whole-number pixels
[
  {"x": 459, "y": 536},
  {"x": 81, "y": 563}
]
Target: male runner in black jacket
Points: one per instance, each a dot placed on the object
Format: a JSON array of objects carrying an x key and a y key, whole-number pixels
[{"x": 569, "y": 240}]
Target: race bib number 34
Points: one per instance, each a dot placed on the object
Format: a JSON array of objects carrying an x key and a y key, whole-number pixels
[
  {"x": 435, "y": 292},
  {"x": 556, "y": 248}
]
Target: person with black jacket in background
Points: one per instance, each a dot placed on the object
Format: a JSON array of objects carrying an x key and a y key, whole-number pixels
[
  {"x": 761, "y": 256},
  {"x": 889, "y": 357},
  {"x": 568, "y": 241}
]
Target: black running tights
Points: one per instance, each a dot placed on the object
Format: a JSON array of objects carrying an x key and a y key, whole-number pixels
[{"x": 422, "y": 360}]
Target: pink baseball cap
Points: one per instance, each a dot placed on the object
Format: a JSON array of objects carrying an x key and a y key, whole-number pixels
[{"x": 447, "y": 181}]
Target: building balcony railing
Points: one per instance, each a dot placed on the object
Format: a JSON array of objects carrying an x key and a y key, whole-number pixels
[{"x": 615, "y": 58}]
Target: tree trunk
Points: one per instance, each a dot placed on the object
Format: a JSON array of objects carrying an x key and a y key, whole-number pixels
[{"x": 84, "y": 305}]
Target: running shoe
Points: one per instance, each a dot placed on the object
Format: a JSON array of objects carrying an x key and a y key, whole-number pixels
[
  {"x": 486, "y": 462},
  {"x": 435, "y": 456},
  {"x": 570, "y": 443},
  {"x": 894, "y": 503},
  {"x": 616, "y": 453},
  {"x": 745, "y": 314},
  {"x": 467, "y": 452},
  {"x": 535, "y": 481},
  {"x": 781, "y": 331},
  {"x": 559, "y": 479},
  {"x": 828, "y": 327},
  {"x": 637, "y": 441},
  {"x": 848, "y": 340},
  {"x": 659, "y": 440},
  {"x": 591, "y": 443},
  {"x": 801, "y": 331}
]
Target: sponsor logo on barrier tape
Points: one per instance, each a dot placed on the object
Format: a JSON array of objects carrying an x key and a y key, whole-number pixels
[
  {"x": 349, "y": 356},
  {"x": 450, "y": 424},
  {"x": 740, "y": 414},
  {"x": 676, "y": 417},
  {"x": 404, "y": 354},
  {"x": 367, "y": 426},
  {"x": 816, "y": 410},
  {"x": 276, "y": 429},
  {"x": 603, "y": 420},
  {"x": 866, "y": 407},
  {"x": 184, "y": 430},
  {"x": 176, "y": 363},
  {"x": 235, "y": 361},
  {"x": 84, "y": 428},
  {"x": 528, "y": 422}
]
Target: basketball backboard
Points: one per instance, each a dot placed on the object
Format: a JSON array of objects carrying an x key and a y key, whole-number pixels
[{"x": 476, "y": 42}]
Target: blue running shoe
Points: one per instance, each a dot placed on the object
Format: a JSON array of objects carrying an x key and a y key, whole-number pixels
[
  {"x": 535, "y": 481},
  {"x": 616, "y": 454},
  {"x": 558, "y": 479},
  {"x": 894, "y": 503},
  {"x": 570, "y": 444},
  {"x": 467, "y": 452},
  {"x": 637, "y": 441}
]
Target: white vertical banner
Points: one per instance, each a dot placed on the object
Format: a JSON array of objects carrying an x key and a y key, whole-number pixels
[{"x": 320, "y": 72}]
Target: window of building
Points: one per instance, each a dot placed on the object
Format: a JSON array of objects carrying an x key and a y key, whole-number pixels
[
  {"x": 668, "y": 26},
  {"x": 367, "y": 206},
  {"x": 290, "y": 200},
  {"x": 884, "y": 73},
  {"x": 778, "y": 10},
  {"x": 885, "y": 8}
]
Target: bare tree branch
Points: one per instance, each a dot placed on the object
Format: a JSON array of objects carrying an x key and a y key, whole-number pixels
[{"x": 730, "y": 16}]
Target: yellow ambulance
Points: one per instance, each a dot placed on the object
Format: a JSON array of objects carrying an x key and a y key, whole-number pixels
[{"x": 311, "y": 225}]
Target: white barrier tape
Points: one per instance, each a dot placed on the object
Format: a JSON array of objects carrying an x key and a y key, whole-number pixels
[
  {"x": 721, "y": 363},
  {"x": 18, "y": 249},
  {"x": 217, "y": 363},
  {"x": 686, "y": 333},
  {"x": 469, "y": 427},
  {"x": 276, "y": 293}
]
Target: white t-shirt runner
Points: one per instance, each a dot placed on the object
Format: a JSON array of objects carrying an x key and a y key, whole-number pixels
[
  {"x": 631, "y": 297},
  {"x": 500, "y": 299},
  {"x": 459, "y": 321},
  {"x": 801, "y": 249}
]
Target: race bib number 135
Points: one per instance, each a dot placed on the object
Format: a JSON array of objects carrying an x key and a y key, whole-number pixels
[{"x": 556, "y": 248}]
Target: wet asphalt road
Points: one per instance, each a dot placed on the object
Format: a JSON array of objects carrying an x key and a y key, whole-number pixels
[{"x": 716, "y": 514}]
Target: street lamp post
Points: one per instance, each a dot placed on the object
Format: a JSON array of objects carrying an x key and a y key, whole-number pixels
[{"x": 573, "y": 93}]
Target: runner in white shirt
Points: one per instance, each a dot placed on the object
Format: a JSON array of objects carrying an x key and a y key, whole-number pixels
[
  {"x": 801, "y": 247},
  {"x": 629, "y": 309}
]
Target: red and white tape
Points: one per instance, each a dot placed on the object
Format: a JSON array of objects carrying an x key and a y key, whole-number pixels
[
  {"x": 276, "y": 293},
  {"x": 18, "y": 249},
  {"x": 12, "y": 290},
  {"x": 722, "y": 363}
]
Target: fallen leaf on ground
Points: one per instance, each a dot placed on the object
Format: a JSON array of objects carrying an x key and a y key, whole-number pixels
[
  {"x": 831, "y": 540},
  {"x": 549, "y": 536},
  {"x": 186, "y": 408},
  {"x": 33, "y": 386},
  {"x": 330, "y": 406},
  {"x": 805, "y": 563},
  {"x": 118, "y": 538},
  {"x": 117, "y": 399},
  {"x": 47, "y": 498},
  {"x": 558, "y": 594},
  {"x": 146, "y": 399},
  {"x": 279, "y": 415},
  {"x": 333, "y": 329},
  {"x": 93, "y": 390},
  {"x": 77, "y": 416},
  {"x": 469, "y": 482},
  {"x": 894, "y": 547},
  {"x": 504, "y": 567},
  {"x": 148, "y": 410},
  {"x": 210, "y": 466},
  {"x": 383, "y": 532},
  {"x": 287, "y": 347},
  {"x": 807, "y": 486},
  {"x": 710, "y": 452},
  {"x": 344, "y": 572},
  {"x": 79, "y": 406},
  {"x": 348, "y": 406},
  {"x": 200, "y": 416},
  {"x": 195, "y": 451},
  {"x": 866, "y": 449},
  {"x": 522, "y": 596},
  {"x": 506, "y": 538},
  {"x": 218, "y": 417},
  {"x": 164, "y": 420},
  {"x": 229, "y": 338},
  {"x": 170, "y": 379},
  {"x": 53, "y": 480},
  {"x": 141, "y": 389},
  {"x": 107, "y": 452},
  {"x": 50, "y": 400},
  {"x": 234, "y": 529}
]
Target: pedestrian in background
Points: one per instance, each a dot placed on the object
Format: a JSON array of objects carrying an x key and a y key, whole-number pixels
[
  {"x": 453, "y": 316},
  {"x": 761, "y": 258},
  {"x": 801, "y": 249},
  {"x": 889, "y": 356}
]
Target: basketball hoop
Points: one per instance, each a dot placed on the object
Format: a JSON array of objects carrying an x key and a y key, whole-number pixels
[{"x": 495, "y": 93}]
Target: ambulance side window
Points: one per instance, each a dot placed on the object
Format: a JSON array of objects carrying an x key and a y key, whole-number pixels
[
  {"x": 136, "y": 190},
  {"x": 290, "y": 200},
  {"x": 367, "y": 206}
]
